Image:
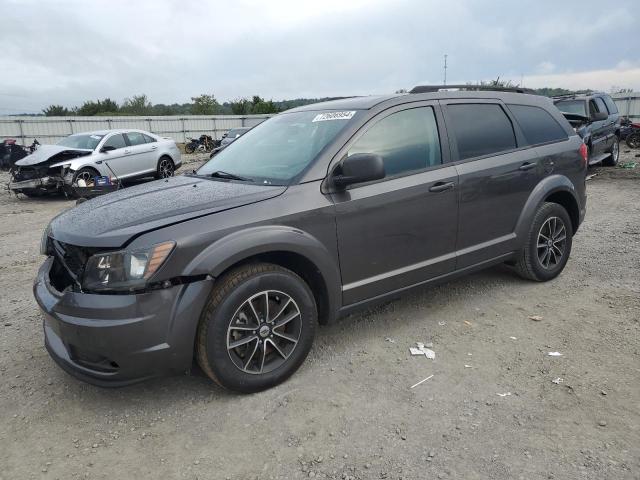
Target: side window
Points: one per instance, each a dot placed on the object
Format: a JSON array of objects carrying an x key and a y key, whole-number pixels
[
  {"x": 611, "y": 105},
  {"x": 135, "y": 138},
  {"x": 406, "y": 140},
  {"x": 600, "y": 105},
  {"x": 148, "y": 139},
  {"x": 537, "y": 124},
  {"x": 481, "y": 129},
  {"x": 116, "y": 141}
]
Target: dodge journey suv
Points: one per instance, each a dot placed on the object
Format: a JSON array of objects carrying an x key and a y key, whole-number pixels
[{"x": 316, "y": 212}]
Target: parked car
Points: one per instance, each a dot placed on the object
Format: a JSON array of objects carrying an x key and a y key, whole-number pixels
[
  {"x": 228, "y": 138},
  {"x": 595, "y": 118},
  {"x": 124, "y": 154},
  {"x": 315, "y": 213}
]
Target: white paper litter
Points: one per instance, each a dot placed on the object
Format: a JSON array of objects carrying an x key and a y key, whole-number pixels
[
  {"x": 557, "y": 381},
  {"x": 513, "y": 338},
  {"x": 554, "y": 354},
  {"x": 504, "y": 394},
  {"x": 442, "y": 324},
  {"x": 421, "y": 349},
  {"x": 468, "y": 366}
]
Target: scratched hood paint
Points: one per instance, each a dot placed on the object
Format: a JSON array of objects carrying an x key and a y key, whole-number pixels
[{"x": 112, "y": 219}]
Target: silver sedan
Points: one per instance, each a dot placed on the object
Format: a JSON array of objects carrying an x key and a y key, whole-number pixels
[{"x": 118, "y": 154}]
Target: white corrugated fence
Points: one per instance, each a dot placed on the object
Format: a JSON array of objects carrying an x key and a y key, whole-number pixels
[{"x": 52, "y": 129}]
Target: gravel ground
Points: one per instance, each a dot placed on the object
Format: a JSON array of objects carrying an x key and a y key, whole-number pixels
[{"x": 349, "y": 412}]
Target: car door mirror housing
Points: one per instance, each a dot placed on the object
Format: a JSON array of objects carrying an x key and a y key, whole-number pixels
[
  {"x": 359, "y": 168},
  {"x": 599, "y": 116},
  {"x": 107, "y": 148}
]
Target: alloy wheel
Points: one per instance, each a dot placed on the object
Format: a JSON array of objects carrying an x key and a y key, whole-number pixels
[
  {"x": 166, "y": 168},
  {"x": 264, "y": 332},
  {"x": 552, "y": 240},
  {"x": 85, "y": 175}
]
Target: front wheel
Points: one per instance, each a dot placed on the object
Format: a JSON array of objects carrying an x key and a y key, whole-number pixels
[
  {"x": 612, "y": 159},
  {"x": 633, "y": 140},
  {"x": 257, "y": 327},
  {"x": 548, "y": 244}
]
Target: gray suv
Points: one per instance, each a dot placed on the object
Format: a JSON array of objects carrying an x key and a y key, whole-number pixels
[{"x": 315, "y": 213}]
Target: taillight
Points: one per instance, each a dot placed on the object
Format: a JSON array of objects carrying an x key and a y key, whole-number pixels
[{"x": 584, "y": 153}]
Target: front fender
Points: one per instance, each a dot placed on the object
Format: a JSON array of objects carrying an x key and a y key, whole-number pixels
[
  {"x": 548, "y": 186},
  {"x": 241, "y": 245}
]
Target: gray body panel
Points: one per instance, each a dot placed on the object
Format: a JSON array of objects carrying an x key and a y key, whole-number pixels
[{"x": 366, "y": 243}]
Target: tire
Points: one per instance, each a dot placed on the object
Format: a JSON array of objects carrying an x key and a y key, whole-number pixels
[
  {"x": 612, "y": 160},
  {"x": 633, "y": 140},
  {"x": 189, "y": 148},
  {"x": 85, "y": 173},
  {"x": 165, "y": 167},
  {"x": 531, "y": 259},
  {"x": 231, "y": 317}
]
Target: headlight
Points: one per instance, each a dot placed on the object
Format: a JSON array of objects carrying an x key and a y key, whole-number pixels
[
  {"x": 44, "y": 241},
  {"x": 124, "y": 270}
]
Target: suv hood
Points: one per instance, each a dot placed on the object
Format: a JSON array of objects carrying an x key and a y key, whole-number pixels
[
  {"x": 112, "y": 219},
  {"x": 47, "y": 152}
]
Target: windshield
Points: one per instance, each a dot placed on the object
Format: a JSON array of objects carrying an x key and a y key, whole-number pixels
[
  {"x": 576, "y": 107},
  {"x": 279, "y": 149},
  {"x": 81, "y": 141}
]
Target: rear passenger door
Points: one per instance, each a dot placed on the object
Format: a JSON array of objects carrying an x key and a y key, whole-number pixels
[
  {"x": 142, "y": 156},
  {"x": 495, "y": 176},
  {"x": 400, "y": 230}
]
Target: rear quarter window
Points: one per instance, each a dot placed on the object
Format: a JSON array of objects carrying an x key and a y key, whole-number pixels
[
  {"x": 537, "y": 124},
  {"x": 481, "y": 129}
]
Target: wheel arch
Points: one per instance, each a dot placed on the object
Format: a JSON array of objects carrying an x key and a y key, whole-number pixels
[
  {"x": 556, "y": 189},
  {"x": 288, "y": 247}
]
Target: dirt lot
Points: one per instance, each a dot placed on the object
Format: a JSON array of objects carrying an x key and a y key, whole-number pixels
[{"x": 349, "y": 411}]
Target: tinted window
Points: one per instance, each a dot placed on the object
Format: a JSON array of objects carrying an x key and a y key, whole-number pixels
[
  {"x": 81, "y": 141},
  {"x": 481, "y": 129},
  {"x": 406, "y": 141},
  {"x": 148, "y": 139},
  {"x": 116, "y": 141},
  {"x": 597, "y": 105},
  {"x": 611, "y": 106},
  {"x": 136, "y": 138},
  {"x": 537, "y": 125}
]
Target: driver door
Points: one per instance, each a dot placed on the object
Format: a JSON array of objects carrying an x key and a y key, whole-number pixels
[
  {"x": 401, "y": 230},
  {"x": 115, "y": 160}
]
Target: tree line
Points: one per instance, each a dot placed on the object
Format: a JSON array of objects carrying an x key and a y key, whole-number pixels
[{"x": 205, "y": 104}]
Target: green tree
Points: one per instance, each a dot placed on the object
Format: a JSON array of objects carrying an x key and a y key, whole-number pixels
[
  {"x": 56, "y": 111},
  {"x": 240, "y": 106},
  {"x": 136, "y": 105},
  {"x": 205, "y": 105}
]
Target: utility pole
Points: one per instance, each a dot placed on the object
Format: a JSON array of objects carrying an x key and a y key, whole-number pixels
[{"x": 445, "y": 69}]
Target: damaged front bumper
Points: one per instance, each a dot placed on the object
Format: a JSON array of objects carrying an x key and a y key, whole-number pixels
[
  {"x": 115, "y": 340},
  {"x": 34, "y": 181}
]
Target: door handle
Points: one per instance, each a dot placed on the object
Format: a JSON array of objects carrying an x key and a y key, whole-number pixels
[
  {"x": 441, "y": 186},
  {"x": 527, "y": 166},
  {"x": 155, "y": 147},
  {"x": 126, "y": 151}
]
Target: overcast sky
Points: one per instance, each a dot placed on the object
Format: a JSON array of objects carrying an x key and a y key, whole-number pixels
[{"x": 65, "y": 52}]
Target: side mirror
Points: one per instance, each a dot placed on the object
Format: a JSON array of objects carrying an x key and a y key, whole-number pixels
[
  {"x": 359, "y": 168},
  {"x": 107, "y": 148},
  {"x": 599, "y": 116}
]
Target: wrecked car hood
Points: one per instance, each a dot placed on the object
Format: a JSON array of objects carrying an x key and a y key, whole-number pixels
[
  {"x": 111, "y": 220},
  {"x": 45, "y": 152}
]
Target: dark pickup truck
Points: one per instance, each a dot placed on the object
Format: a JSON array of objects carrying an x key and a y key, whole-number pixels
[{"x": 595, "y": 118}]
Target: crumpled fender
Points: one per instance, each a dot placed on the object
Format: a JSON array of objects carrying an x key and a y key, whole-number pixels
[
  {"x": 548, "y": 186},
  {"x": 243, "y": 244}
]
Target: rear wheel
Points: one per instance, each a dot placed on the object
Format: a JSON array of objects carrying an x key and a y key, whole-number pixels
[
  {"x": 612, "y": 159},
  {"x": 165, "y": 168},
  {"x": 257, "y": 327},
  {"x": 548, "y": 244},
  {"x": 633, "y": 140}
]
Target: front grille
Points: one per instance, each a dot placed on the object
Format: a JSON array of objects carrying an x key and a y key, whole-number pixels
[{"x": 29, "y": 173}]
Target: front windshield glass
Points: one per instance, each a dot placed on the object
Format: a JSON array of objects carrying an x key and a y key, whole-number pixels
[
  {"x": 279, "y": 149},
  {"x": 235, "y": 133},
  {"x": 576, "y": 107},
  {"x": 81, "y": 141}
]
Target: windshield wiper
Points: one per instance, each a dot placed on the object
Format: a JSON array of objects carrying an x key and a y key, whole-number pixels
[{"x": 230, "y": 176}]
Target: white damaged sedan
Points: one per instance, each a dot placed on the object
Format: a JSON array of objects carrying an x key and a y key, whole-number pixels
[{"x": 118, "y": 154}]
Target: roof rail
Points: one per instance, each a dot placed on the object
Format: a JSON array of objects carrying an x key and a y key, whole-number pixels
[{"x": 437, "y": 88}]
